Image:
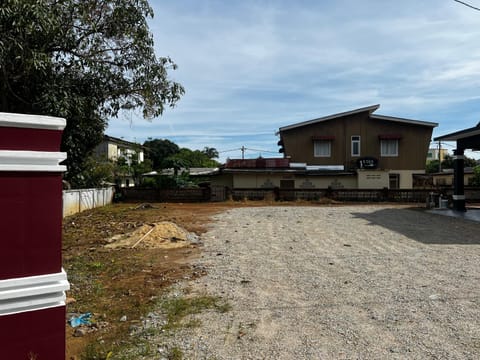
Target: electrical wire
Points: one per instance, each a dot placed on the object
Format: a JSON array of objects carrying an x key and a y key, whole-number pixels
[{"x": 466, "y": 4}]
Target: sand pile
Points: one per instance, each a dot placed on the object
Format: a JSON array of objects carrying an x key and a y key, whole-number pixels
[{"x": 164, "y": 234}]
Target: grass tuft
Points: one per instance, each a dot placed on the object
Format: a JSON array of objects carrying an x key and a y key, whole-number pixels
[{"x": 178, "y": 308}]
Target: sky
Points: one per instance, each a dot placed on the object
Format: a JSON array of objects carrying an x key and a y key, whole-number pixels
[{"x": 250, "y": 67}]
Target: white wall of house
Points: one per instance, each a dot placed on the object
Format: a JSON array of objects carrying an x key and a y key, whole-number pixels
[
  {"x": 115, "y": 151},
  {"x": 406, "y": 177},
  {"x": 259, "y": 181},
  {"x": 373, "y": 179}
]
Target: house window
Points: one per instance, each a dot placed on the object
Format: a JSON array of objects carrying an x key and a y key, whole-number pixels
[
  {"x": 389, "y": 147},
  {"x": 355, "y": 145},
  {"x": 322, "y": 148},
  {"x": 394, "y": 181}
]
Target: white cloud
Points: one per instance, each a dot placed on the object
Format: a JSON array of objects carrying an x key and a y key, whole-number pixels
[{"x": 250, "y": 67}]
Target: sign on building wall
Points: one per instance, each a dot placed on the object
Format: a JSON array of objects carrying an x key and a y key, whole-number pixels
[{"x": 367, "y": 162}]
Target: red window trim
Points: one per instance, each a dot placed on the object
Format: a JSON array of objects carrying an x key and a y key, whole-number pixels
[
  {"x": 323, "y": 137},
  {"x": 389, "y": 137}
]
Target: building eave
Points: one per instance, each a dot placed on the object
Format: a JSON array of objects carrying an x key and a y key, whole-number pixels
[
  {"x": 118, "y": 141},
  {"x": 405, "y": 121},
  {"x": 458, "y": 135}
]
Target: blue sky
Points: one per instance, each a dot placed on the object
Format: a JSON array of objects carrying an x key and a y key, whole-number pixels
[{"x": 252, "y": 66}]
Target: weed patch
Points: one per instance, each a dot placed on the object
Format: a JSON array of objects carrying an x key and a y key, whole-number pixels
[{"x": 176, "y": 309}]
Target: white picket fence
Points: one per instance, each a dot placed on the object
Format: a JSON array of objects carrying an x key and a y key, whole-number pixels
[{"x": 75, "y": 201}]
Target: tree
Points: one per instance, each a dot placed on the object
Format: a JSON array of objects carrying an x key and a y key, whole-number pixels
[
  {"x": 84, "y": 60},
  {"x": 447, "y": 163},
  {"x": 131, "y": 166},
  {"x": 160, "y": 149},
  {"x": 192, "y": 158},
  {"x": 96, "y": 173},
  {"x": 434, "y": 165},
  {"x": 475, "y": 181},
  {"x": 211, "y": 153}
]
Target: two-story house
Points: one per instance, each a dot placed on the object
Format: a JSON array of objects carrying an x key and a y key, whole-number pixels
[
  {"x": 114, "y": 149},
  {"x": 378, "y": 151}
]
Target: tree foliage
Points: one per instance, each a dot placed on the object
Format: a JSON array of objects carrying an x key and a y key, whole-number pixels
[
  {"x": 187, "y": 158},
  {"x": 131, "y": 166},
  {"x": 97, "y": 173},
  {"x": 157, "y": 150},
  {"x": 210, "y": 152},
  {"x": 434, "y": 165},
  {"x": 475, "y": 180},
  {"x": 84, "y": 60},
  {"x": 166, "y": 154}
]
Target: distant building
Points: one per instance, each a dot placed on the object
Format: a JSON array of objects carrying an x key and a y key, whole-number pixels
[
  {"x": 445, "y": 178},
  {"x": 113, "y": 149},
  {"x": 379, "y": 151},
  {"x": 436, "y": 154},
  {"x": 350, "y": 150}
]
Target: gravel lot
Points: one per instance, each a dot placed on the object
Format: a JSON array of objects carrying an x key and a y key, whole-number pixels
[{"x": 347, "y": 282}]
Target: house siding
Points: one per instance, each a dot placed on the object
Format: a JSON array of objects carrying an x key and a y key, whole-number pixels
[{"x": 412, "y": 145}]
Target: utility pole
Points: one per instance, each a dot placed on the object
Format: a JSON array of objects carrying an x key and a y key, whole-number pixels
[
  {"x": 243, "y": 152},
  {"x": 439, "y": 156}
]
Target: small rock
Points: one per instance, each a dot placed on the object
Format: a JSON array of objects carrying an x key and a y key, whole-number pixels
[
  {"x": 70, "y": 300},
  {"x": 79, "y": 332},
  {"x": 123, "y": 318}
]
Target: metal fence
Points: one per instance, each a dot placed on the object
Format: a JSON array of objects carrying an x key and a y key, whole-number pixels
[
  {"x": 187, "y": 195},
  {"x": 360, "y": 195},
  {"x": 75, "y": 201}
]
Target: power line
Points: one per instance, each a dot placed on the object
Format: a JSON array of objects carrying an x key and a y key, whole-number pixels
[
  {"x": 265, "y": 151},
  {"x": 243, "y": 148},
  {"x": 442, "y": 143},
  {"x": 224, "y": 151},
  {"x": 466, "y": 4}
]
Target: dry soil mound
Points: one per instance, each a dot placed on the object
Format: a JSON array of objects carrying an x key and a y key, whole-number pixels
[{"x": 164, "y": 234}]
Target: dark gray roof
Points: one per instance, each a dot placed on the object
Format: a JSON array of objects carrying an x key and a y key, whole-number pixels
[{"x": 462, "y": 134}]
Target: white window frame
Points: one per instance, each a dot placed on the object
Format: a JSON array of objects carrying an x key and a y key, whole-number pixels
[
  {"x": 355, "y": 139},
  {"x": 389, "y": 147},
  {"x": 326, "y": 152}
]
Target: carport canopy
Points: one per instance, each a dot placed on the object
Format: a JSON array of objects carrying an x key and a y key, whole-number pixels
[{"x": 466, "y": 139}]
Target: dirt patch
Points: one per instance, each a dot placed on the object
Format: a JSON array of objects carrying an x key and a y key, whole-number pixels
[{"x": 124, "y": 283}]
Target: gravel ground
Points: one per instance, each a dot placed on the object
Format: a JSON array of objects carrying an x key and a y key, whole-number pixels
[{"x": 349, "y": 282}]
